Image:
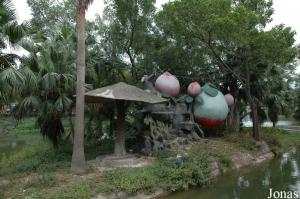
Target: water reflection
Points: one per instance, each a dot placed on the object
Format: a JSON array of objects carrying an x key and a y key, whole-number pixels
[{"x": 281, "y": 174}]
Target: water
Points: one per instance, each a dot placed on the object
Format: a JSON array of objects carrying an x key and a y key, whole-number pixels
[{"x": 281, "y": 174}]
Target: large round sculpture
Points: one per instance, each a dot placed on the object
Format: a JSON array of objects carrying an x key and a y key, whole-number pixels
[
  {"x": 194, "y": 89},
  {"x": 210, "y": 107},
  {"x": 229, "y": 99},
  {"x": 168, "y": 84}
]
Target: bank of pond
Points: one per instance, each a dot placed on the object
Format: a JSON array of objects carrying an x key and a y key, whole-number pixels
[{"x": 29, "y": 167}]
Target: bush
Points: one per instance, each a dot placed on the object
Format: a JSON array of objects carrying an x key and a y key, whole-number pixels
[{"x": 171, "y": 173}]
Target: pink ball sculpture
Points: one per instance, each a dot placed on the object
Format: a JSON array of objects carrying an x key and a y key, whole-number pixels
[
  {"x": 168, "y": 84},
  {"x": 229, "y": 99},
  {"x": 194, "y": 89}
]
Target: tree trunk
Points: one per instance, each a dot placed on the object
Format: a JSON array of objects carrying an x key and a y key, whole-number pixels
[
  {"x": 253, "y": 106},
  {"x": 78, "y": 158},
  {"x": 255, "y": 121},
  {"x": 72, "y": 130},
  {"x": 233, "y": 121},
  {"x": 133, "y": 67},
  {"x": 120, "y": 149},
  {"x": 274, "y": 124}
]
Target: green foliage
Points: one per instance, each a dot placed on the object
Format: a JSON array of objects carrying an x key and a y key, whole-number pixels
[
  {"x": 47, "y": 14},
  {"x": 82, "y": 190},
  {"x": 171, "y": 173},
  {"x": 231, "y": 36},
  {"x": 49, "y": 81},
  {"x": 131, "y": 180},
  {"x": 279, "y": 140},
  {"x": 10, "y": 33},
  {"x": 180, "y": 174},
  {"x": 130, "y": 23}
]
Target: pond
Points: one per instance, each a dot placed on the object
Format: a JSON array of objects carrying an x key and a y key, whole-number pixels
[{"x": 280, "y": 174}]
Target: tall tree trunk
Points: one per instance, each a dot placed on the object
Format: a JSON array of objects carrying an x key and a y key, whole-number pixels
[
  {"x": 120, "y": 149},
  {"x": 78, "y": 159},
  {"x": 253, "y": 106},
  {"x": 72, "y": 130}
]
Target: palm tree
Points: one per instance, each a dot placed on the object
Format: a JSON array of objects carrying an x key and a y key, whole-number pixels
[
  {"x": 78, "y": 158},
  {"x": 10, "y": 33},
  {"x": 49, "y": 81}
]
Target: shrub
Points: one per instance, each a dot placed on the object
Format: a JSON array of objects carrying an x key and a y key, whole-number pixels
[{"x": 171, "y": 173}]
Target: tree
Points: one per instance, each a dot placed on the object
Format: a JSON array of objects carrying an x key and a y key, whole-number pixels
[
  {"x": 130, "y": 23},
  {"x": 46, "y": 14},
  {"x": 232, "y": 29},
  {"x": 78, "y": 158}
]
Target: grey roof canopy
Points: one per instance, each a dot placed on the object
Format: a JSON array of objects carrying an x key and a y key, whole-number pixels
[{"x": 121, "y": 91}]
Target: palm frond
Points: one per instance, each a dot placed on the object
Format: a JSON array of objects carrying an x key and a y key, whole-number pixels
[
  {"x": 63, "y": 103},
  {"x": 12, "y": 77},
  {"x": 13, "y": 31},
  {"x": 7, "y": 12},
  {"x": 26, "y": 106}
]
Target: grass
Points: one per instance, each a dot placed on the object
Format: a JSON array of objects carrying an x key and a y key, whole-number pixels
[
  {"x": 45, "y": 180},
  {"x": 82, "y": 190},
  {"x": 278, "y": 140},
  {"x": 35, "y": 158}
]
